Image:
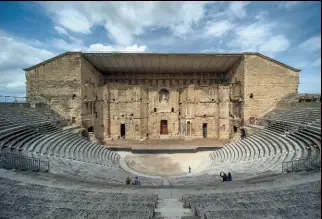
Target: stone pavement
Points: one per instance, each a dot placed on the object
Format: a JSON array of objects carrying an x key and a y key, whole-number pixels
[{"x": 165, "y": 144}]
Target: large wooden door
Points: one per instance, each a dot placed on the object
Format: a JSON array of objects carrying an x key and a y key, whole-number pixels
[{"x": 164, "y": 127}]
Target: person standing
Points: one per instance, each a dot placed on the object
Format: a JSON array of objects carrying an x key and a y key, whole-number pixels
[
  {"x": 189, "y": 169},
  {"x": 128, "y": 181},
  {"x": 229, "y": 178}
]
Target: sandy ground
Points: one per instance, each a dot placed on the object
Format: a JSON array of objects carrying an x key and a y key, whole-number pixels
[
  {"x": 164, "y": 144},
  {"x": 167, "y": 164}
]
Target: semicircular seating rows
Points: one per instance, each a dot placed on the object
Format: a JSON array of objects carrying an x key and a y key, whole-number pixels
[
  {"x": 68, "y": 154},
  {"x": 264, "y": 151},
  {"x": 35, "y": 133},
  {"x": 296, "y": 201},
  {"x": 39, "y": 201}
]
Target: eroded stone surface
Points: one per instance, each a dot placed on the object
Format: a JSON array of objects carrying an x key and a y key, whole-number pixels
[{"x": 145, "y": 103}]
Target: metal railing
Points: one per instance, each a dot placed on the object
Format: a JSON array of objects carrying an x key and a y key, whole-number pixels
[
  {"x": 19, "y": 162},
  {"x": 310, "y": 163}
]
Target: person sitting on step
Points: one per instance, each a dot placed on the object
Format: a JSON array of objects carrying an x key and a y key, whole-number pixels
[{"x": 136, "y": 181}]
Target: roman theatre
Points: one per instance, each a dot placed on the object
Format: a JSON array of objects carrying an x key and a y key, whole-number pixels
[
  {"x": 160, "y": 136},
  {"x": 154, "y": 101}
]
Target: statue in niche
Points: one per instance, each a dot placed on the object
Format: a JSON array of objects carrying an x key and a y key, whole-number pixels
[
  {"x": 163, "y": 96},
  {"x": 163, "y": 99}
]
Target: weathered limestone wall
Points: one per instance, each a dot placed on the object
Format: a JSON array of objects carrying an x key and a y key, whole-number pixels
[
  {"x": 166, "y": 109},
  {"x": 206, "y": 105},
  {"x": 266, "y": 83},
  {"x": 92, "y": 99},
  {"x": 187, "y": 102},
  {"x": 237, "y": 91},
  {"x": 126, "y": 108},
  {"x": 57, "y": 81}
]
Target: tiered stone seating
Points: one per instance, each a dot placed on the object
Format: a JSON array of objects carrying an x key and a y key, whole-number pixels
[
  {"x": 267, "y": 149},
  {"x": 67, "y": 152},
  {"x": 39, "y": 201},
  {"x": 26, "y": 115},
  {"x": 298, "y": 116},
  {"x": 298, "y": 201},
  {"x": 261, "y": 152}
]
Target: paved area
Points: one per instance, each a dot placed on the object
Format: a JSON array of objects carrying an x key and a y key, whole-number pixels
[
  {"x": 165, "y": 144},
  {"x": 167, "y": 164}
]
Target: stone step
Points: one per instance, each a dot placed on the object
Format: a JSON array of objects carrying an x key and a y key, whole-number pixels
[
  {"x": 173, "y": 212},
  {"x": 177, "y": 217}
]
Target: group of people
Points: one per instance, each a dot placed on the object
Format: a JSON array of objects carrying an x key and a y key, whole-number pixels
[
  {"x": 136, "y": 181},
  {"x": 226, "y": 177}
]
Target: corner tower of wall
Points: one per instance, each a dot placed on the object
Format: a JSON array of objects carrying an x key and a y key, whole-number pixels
[
  {"x": 58, "y": 81},
  {"x": 92, "y": 96},
  {"x": 266, "y": 82}
]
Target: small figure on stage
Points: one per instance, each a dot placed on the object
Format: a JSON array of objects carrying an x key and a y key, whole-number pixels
[
  {"x": 189, "y": 169},
  {"x": 128, "y": 181}
]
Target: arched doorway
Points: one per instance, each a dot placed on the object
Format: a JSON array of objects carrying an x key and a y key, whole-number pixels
[
  {"x": 90, "y": 129},
  {"x": 84, "y": 134},
  {"x": 242, "y": 133},
  {"x": 188, "y": 128}
]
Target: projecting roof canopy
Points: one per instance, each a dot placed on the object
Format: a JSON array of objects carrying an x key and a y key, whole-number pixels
[{"x": 108, "y": 63}]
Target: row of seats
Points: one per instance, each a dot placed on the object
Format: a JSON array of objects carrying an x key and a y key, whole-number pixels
[
  {"x": 28, "y": 115},
  {"x": 299, "y": 201},
  {"x": 36, "y": 133},
  {"x": 67, "y": 153},
  {"x": 57, "y": 143},
  {"x": 38, "y": 201},
  {"x": 106, "y": 174},
  {"x": 300, "y": 116},
  {"x": 264, "y": 151}
]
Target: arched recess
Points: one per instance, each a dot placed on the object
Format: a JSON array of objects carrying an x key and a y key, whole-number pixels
[
  {"x": 243, "y": 133},
  {"x": 188, "y": 128},
  {"x": 90, "y": 129},
  {"x": 164, "y": 95}
]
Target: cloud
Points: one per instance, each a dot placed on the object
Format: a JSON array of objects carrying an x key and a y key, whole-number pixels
[
  {"x": 289, "y": 4},
  {"x": 237, "y": 9},
  {"x": 275, "y": 44},
  {"x": 61, "y": 30},
  {"x": 75, "y": 45},
  {"x": 13, "y": 82},
  {"x": 260, "y": 36},
  {"x": 219, "y": 28},
  {"x": 101, "y": 48},
  {"x": 14, "y": 54},
  {"x": 311, "y": 45},
  {"x": 125, "y": 20}
]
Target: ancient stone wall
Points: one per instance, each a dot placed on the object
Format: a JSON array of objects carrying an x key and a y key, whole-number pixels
[
  {"x": 59, "y": 82},
  {"x": 92, "y": 96},
  {"x": 237, "y": 89},
  {"x": 266, "y": 83},
  {"x": 190, "y": 105}
]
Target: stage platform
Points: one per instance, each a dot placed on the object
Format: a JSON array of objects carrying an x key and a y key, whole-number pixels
[{"x": 166, "y": 146}]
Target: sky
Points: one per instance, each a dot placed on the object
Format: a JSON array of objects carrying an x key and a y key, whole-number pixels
[{"x": 31, "y": 32}]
